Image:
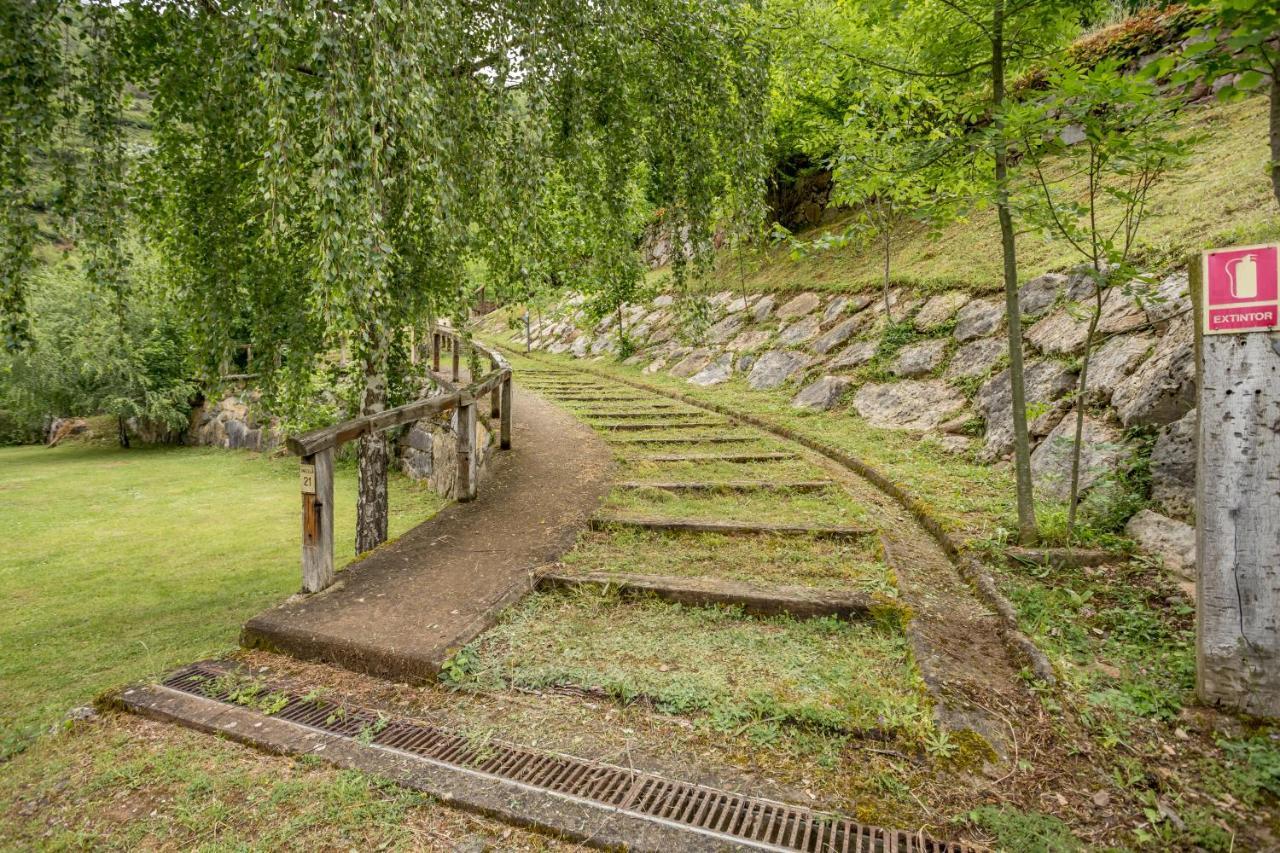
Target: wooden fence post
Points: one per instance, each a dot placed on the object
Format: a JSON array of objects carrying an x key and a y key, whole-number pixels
[
  {"x": 317, "y": 520},
  {"x": 465, "y": 428},
  {"x": 505, "y": 434},
  {"x": 1237, "y": 515},
  {"x": 435, "y": 352},
  {"x": 453, "y": 343}
]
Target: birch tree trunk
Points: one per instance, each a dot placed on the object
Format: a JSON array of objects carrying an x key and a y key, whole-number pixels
[{"x": 371, "y": 501}]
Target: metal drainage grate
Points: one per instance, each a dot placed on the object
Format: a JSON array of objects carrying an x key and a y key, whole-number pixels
[{"x": 765, "y": 823}]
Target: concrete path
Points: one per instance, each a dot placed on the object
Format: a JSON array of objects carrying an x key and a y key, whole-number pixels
[{"x": 404, "y": 609}]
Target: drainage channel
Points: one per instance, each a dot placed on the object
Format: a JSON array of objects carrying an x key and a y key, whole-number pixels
[{"x": 736, "y": 821}]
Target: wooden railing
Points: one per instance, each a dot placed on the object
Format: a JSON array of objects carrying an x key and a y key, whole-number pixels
[{"x": 316, "y": 448}]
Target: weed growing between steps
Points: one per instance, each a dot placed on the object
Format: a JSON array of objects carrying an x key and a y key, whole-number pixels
[
  {"x": 730, "y": 672},
  {"x": 830, "y": 506},
  {"x": 792, "y": 560}
]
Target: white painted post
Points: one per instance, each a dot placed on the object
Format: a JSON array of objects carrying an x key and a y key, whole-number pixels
[
  {"x": 317, "y": 520},
  {"x": 1237, "y": 507}
]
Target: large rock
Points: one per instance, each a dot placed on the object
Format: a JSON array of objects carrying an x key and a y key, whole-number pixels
[
  {"x": 1163, "y": 389},
  {"x": 855, "y": 354},
  {"x": 1114, "y": 362},
  {"x": 1064, "y": 331},
  {"x": 762, "y": 309},
  {"x": 1045, "y": 382},
  {"x": 742, "y": 303},
  {"x": 774, "y": 368},
  {"x": 799, "y": 306},
  {"x": 976, "y": 358},
  {"x": 978, "y": 319},
  {"x": 800, "y": 331},
  {"x": 580, "y": 345},
  {"x": 1168, "y": 299},
  {"x": 822, "y": 394},
  {"x": 920, "y": 359},
  {"x": 749, "y": 340},
  {"x": 1102, "y": 450},
  {"x": 845, "y": 305},
  {"x": 912, "y": 405},
  {"x": 714, "y": 373},
  {"x": 1173, "y": 467},
  {"x": 1040, "y": 293},
  {"x": 692, "y": 363},
  {"x": 725, "y": 329},
  {"x": 1172, "y": 541},
  {"x": 941, "y": 308},
  {"x": 836, "y": 336}
]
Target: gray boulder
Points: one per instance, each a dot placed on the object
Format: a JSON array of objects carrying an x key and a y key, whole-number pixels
[
  {"x": 857, "y": 353},
  {"x": 976, "y": 358},
  {"x": 749, "y": 340},
  {"x": 1172, "y": 541},
  {"x": 920, "y": 359},
  {"x": 774, "y": 368},
  {"x": 1102, "y": 450},
  {"x": 836, "y": 336},
  {"x": 799, "y": 306},
  {"x": 725, "y": 329},
  {"x": 919, "y": 405},
  {"x": 579, "y": 348},
  {"x": 1168, "y": 299},
  {"x": 1115, "y": 361},
  {"x": 941, "y": 308},
  {"x": 978, "y": 319},
  {"x": 1173, "y": 467},
  {"x": 714, "y": 373},
  {"x": 692, "y": 363},
  {"x": 800, "y": 331},
  {"x": 762, "y": 309},
  {"x": 822, "y": 394},
  {"x": 1040, "y": 293},
  {"x": 1045, "y": 384},
  {"x": 1163, "y": 389},
  {"x": 1064, "y": 331},
  {"x": 845, "y": 305}
]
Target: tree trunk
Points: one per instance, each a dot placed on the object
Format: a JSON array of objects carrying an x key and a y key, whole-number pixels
[
  {"x": 1027, "y": 532},
  {"x": 1275, "y": 135},
  {"x": 122, "y": 432},
  {"x": 371, "y": 502},
  {"x": 884, "y": 231},
  {"x": 1081, "y": 390}
]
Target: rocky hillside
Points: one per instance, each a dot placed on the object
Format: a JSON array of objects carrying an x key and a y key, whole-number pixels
[{"x": 936, "y": 364}]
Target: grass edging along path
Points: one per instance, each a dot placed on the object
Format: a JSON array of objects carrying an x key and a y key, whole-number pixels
[
  {"x": 970, "y": 568},
  {"x": 121, "y": 563}
]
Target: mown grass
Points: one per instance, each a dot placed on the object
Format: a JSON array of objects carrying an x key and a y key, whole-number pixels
[
  {"x": 819, "y": 563},
  {"x": 1221, "y": 196},
  {"x": 129, "y": 784},
  {"x": 731, "y": 672},
  {"x": 830, "y": 506},
  {"x": 120, "y": 563}
]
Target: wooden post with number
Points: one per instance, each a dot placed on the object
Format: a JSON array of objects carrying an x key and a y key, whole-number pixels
[
  {"x": 1237, "y": 305},
  {"x": 464, "y": 421},
  {"x": 505, "y": 433},
  {"x": 317, "y": 520}
]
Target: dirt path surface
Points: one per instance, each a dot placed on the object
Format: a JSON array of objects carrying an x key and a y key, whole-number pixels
[{"x": 401, "y": 612}]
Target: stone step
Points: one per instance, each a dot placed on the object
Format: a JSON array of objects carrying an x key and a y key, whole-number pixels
[
  {"x": 755, "y": 599},
  {"x": 634, "y": 425},
  {"x": 694, "y": 525},
  {"x": 686, "y": 439},
  {"x": 801, "y": 487},
  {"x": 763, "y": 456}
]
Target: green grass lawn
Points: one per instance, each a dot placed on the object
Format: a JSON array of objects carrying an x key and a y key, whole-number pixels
[{"x": 120, "y": 563}]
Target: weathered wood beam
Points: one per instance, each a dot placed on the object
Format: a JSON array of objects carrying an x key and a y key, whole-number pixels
[{"x": 693, "y": 525}]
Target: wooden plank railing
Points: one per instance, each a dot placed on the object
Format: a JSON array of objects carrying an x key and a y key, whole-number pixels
[{"x": 315, "y": 449}]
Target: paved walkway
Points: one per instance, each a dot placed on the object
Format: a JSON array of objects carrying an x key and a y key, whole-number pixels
[{"x": 403, "y": 610}]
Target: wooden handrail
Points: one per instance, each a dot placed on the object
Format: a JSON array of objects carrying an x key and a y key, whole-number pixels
[{"x": 316, "y": 447}]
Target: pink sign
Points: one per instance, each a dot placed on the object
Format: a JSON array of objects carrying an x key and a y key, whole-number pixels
[{"x": 1241, "y": 289}]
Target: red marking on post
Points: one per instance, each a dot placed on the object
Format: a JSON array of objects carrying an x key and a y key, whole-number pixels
[{"x": 1241, "y": 289}]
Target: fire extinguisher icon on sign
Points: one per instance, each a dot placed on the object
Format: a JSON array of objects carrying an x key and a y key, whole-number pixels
[{"x": 1243, "y": 273}]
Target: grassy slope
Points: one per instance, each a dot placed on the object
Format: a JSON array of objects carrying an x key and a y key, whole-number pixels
[
  {"x": 1221, "y": 196},
  {"x": 118, "y": 564}
]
